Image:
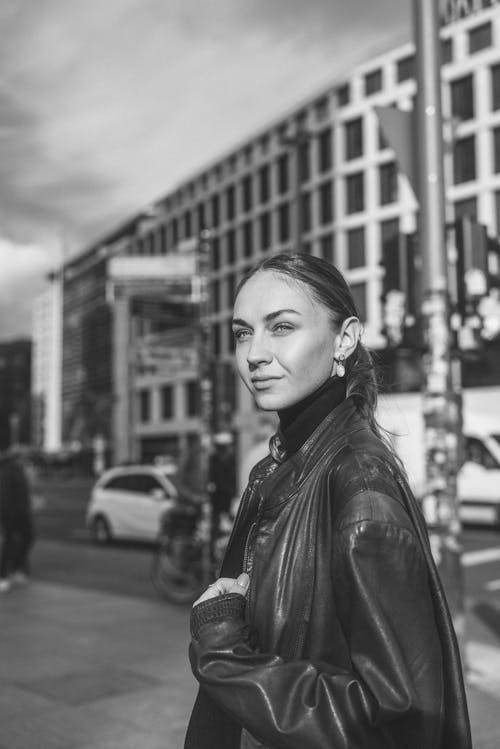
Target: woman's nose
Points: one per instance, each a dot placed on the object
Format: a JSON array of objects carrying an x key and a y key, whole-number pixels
[{"x": 258, "y": 352}]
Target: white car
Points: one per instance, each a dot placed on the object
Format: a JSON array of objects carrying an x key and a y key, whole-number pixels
[
  {"x": 479, "y": 479},
  {"x": 127, "y": 502}
]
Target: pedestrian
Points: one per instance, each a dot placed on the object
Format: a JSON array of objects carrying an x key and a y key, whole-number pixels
[
  {"x": 328, "y": 626},
  {"x": 16, "y": 522},
  {"x": 222, "y": 480}
]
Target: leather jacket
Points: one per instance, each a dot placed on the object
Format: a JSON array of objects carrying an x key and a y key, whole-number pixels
[{"x": 344, "y": 639}]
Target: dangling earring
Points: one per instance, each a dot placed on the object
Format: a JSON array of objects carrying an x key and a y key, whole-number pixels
[{"x": 340, "y": 364}]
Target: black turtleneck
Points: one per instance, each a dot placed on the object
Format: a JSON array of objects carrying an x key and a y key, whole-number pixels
[
  {"x": 209, "y": 725},
  {"x": 298, "y": 422}
]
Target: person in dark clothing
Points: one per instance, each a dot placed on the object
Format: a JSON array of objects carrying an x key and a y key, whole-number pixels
[
  {"x": 328, "y": 626},
  {"x": 222, "y": 479},
  {"x": 16, "y": 522}
]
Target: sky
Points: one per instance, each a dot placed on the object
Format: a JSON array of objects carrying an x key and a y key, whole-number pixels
[{"x": 106, "y": 105}]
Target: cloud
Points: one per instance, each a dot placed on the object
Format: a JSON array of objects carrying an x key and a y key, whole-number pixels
[
  {"x": 104, "y": 106},
  {"x": 22, "y": 272}
]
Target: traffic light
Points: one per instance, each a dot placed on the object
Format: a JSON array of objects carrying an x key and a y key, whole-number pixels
[
  {"x": 401, "y": 290},
  {"x": 472, "y": 281}
]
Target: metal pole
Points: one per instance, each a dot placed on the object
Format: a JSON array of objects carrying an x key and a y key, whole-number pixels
[
  {"x": 206, "y": 405},
  {"x": 442, "y": 387}
]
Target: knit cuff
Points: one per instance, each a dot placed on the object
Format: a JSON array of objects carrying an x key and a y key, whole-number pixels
[{"x": 227, "y": 606}]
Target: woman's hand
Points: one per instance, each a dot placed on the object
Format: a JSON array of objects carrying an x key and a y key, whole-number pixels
[{"x": 225, "y": 585}]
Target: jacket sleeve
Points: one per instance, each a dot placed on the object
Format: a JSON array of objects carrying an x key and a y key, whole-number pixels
[{"x": 391, "y": 695}]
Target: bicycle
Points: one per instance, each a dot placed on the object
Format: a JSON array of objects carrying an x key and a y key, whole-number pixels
[{"x": 186, "y": 560}]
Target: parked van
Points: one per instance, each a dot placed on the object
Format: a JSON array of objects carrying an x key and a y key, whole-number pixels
[{"x": 478, "y": 481}]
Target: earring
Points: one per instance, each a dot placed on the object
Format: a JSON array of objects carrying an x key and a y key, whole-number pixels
[{"x": 340, "y": 364}]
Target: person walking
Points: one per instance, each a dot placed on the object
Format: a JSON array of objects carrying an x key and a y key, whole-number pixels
[
  {"x": 16, "y": 523},
  {"x": 222, "y": 480},
  {"x": 329, "y": 626}
]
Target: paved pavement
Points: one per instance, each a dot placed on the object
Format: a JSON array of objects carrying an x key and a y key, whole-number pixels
[{"x": 82, "y": 669}]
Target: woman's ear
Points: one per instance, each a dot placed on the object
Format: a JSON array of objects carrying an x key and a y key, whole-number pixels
[{"x": 348, "y": 337}]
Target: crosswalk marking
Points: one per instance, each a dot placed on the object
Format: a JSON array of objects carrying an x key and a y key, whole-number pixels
[{"x": 481, "y": 556}]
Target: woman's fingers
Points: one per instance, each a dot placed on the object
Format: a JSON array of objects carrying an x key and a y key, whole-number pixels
[{"x": 225, "y": 585}]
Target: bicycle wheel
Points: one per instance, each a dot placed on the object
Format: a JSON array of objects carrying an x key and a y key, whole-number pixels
[{"x": 174, "y": 571}]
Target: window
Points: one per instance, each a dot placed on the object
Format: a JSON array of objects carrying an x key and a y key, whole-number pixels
[
  {"x": 464, "y": 160},
  {"x": 192, "y": 397},
  {"x": 247, "y": 155},
  {"x": 373, "y": 82},
  {"x": 446, "y": 51},
  {"x": 326, "y": 203},
  {"x": 283, "y": 176},
  {"x": 327, "y": 247},
  {"x": 467, "y": 207},
  {"x": 495, "y": 87},
  {"x": 215, "y": 253},
  {"x": 343, "y": 95},
  {"x": 303, "y": 157},
  {"x": 124, "y": 483},
  {"x": 480, "y": 37},
  {"x": 230, "y": 203},
  {"x": 215, "y": 211},
  {"x": 321, "y": 109},
  {"x": 497, "y": 211},
  {"x": 187, "y": 224},
  {"x": 476, "y": 452},
  {"x": 406, "y": 68},
  {"x": 353, "y": 132},
  {"x": 216, "y": 339},
  {"x": 167, "y": 402},
  {"x": 284, "y": 222},
  {"x": 355, "y": 188},
  {"x": 462, "y": 98},
  {"x": 246, "y": 189},
  {"x": 264, "y": 184},
  {"x": 148, "y": 484},
  {"x": 496, "y": 149},
  {"x": 231, "y": 288},
  {"x": 389, "y": 244},
  {"x": 305, "y": 204},
  {"x": 388, "y": 183},
  {"x": 265, "y": 231},
  {"x": 325, "y": 151},
  {"x": 201, "y": 216},
  {"x": 231, "y": 246},
  {"x": 247, "y": 231},
  {"x": 175, "y": 231},
  {"x": 144, "y": 405},
  {"x": 358, "y": 291},
  {"x": 216, "y": 305},
  {"x": 356, "y": 247}
]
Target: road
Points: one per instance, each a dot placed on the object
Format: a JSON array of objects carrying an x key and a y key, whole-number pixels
[{"x": 64, "y": 553}]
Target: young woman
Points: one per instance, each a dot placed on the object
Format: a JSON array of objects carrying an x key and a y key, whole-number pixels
[{"x": 328, "y": 627}]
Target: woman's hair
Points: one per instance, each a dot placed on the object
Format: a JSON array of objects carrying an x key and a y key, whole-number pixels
[{"x": 329, "y": 287}]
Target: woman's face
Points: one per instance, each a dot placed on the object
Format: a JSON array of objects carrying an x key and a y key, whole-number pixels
[{"x": 285, "y": 340}]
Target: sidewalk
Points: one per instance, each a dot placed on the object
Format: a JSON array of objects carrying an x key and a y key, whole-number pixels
[{"x": 86, "y": 670}]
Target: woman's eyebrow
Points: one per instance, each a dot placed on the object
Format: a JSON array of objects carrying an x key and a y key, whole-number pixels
[{"x": 268, "y": 318}]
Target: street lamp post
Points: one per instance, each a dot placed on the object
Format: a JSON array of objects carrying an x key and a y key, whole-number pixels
[
  {"x": 206, "y": 393},
  {"x": 442, "y": 385}
]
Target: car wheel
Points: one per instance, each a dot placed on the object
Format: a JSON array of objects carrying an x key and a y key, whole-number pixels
[{"x": 101, "y": 530}]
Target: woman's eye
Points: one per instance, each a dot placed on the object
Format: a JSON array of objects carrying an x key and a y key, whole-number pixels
[
  {"x": 240, "y": 335},
  {"x": 282, "y": 327}
]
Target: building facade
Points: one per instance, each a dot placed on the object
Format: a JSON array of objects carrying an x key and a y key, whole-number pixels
[
  {"x": 47, "y": 367},
  {"x": 15, "y": 393},
  {"x": 321, "y": 179}
]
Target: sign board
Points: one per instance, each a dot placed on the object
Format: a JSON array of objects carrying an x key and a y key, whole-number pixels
[
  {"x": 135, "y": 267},
  {"x": 453, "y": 10},
  {"x": 170, "y": 355}
]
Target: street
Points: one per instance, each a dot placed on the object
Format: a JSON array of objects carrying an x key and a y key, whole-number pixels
[{"x": 64, "y": 553}]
